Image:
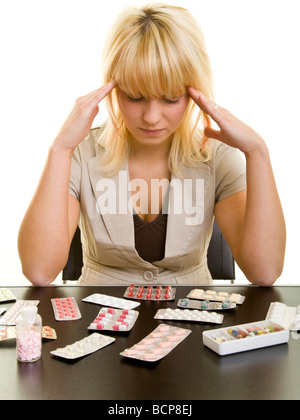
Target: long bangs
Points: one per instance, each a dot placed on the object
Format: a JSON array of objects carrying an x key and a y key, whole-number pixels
[{"x": 149, "y": 68}]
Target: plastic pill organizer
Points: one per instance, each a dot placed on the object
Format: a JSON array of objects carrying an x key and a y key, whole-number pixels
[
  {"x": 65, "y": 309},
  {"x": 205, "y": 305},
  {"x": 216, "y": 296},
  {"x": 286, "y": 316},
  {"x": 8, "y": 333},
  {"x": 189, "y": 315},
  {"x": 83, "y": 347},
  {"x": 6, "y": 295},
  {"x": 114, "y": 320},
  {"x": 10, "y": 318},
  {"x": 110, "y": 301},
  {"x": 157, "y": 344},
  {"x": 157, "y": 293},
  {"x": 245, "y": 337}
]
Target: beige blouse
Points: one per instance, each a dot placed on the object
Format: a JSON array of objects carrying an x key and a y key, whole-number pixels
[{"x": 107, "y": 227}]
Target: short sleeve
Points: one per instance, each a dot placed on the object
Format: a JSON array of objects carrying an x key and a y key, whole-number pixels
[
  {"x": 75, "y": 176},
  {"x": 230, "y": 172}
]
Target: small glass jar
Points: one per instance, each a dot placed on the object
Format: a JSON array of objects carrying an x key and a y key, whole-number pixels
[{"x": 29, "y": 335}]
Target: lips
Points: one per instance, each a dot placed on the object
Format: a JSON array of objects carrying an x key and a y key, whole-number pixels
[{"x": 152, "y": 132}]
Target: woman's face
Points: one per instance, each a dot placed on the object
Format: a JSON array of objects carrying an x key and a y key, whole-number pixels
[{"x": 152, "y": 121}]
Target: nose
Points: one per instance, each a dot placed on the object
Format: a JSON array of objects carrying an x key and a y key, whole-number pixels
[{"x": 152, "y": 112}]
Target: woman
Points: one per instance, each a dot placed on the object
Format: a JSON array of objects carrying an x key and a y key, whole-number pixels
[{"x": 146, "y": 186}]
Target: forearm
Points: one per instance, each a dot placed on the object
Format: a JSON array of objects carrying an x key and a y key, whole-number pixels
[
  {"x": 44, "y": 234},
  {"x": 263, "y": 236}
]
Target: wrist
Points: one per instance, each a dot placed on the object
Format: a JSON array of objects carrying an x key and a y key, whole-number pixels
[
  {"x": 58, "y": 148},
  {"x": 259, "y": 148}
]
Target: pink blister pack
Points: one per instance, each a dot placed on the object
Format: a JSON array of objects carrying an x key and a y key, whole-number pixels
[
  {"x": 65, "y": 309},
  {"x": 158, "y": 344},
  {"x": 114, "y": 320}
]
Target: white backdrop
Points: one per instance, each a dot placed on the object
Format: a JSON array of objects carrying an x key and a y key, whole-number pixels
[{"x": 50, "y": 55}]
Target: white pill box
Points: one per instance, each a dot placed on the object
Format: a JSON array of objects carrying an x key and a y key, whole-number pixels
[
  {"x": 254, "y": 335},
  {"x": 286, "y": 316}
]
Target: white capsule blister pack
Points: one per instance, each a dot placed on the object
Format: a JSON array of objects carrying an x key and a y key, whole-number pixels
[
  {"x": 114, "y": 320},
  {"x": 205, "y": 305},
  {"x": 189, "y": 315},
  {"x": 216, "y": 296},
  {"x": 110, "y": 301},
  {"x": 10, "y": 318},
  {"x": 6, "y": 295},
  {"x": 286, "y": 316},
  {"x": 82, "y": 348},
  {"x": 158, "y": 344}
]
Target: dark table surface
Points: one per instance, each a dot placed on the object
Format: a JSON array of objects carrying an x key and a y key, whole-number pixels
[{"x": 190, "y": 372}]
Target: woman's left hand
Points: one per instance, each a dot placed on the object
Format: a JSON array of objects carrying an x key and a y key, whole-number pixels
[{"x": 232, "y": 131}]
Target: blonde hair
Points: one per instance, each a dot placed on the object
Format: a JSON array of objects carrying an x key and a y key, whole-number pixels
[{"x": 154, "y": 51}]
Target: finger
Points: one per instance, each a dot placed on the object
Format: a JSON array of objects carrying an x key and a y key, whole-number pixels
[
  {"x": 212, "y": 134},
  {"x": 207, "y": 106},
  {"x": 101, "y": 93}
]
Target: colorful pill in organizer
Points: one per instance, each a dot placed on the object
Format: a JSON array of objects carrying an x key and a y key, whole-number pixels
[
  {"x": 189, "y": 315},
  {"x": 216, "y": 296},
  {"x": 286, "y": 316},
  {"x": 205, "y": 305},
  {"x": 110, "y": 301},
  {"x": 114, "y": 320},
  {"x": 10, "y": 318},
  {"x": 157, "y": 344},
  {"x": 156, "y": 293},
  {"x": 84, "y": 347},
  {"x": 65, "y": 309},
  {"x": 6, "y": 295}
]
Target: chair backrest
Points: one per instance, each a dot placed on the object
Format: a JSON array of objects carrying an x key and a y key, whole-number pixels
[{"x": 219, "y": 258}]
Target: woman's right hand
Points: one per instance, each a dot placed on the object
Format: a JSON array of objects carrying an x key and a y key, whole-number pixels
[{"x": 80, "y": 120}]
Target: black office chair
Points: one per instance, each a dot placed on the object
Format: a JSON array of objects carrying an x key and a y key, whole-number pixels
[{"x": 219, "y": 258}]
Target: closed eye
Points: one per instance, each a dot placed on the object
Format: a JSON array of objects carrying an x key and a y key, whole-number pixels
[{"x": 130, "y": 99}]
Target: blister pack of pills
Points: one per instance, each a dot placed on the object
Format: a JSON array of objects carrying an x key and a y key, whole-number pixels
[
  {"x": 158, "y": 344},
  {"x": 65, "y": 309},
  {"x": 82, "y": 348},
  {"x": 6, "y": 295},
  {"x": 10, "y": 318},
  {"x": 286, "y": 316},
  {"x": 245, "y": 337},
  {"x": 216, "y": 296},
  {"x": 110, "y": 301},
  {"x": 114, "y": 320},
  {"x": 189, "y": 315},
  {"x": 156, "y": 293},
  {"x": 8, "y": 333},
  {"x": 205, "y": 305}
]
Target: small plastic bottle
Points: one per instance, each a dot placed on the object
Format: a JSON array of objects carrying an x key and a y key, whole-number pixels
[{"x": 29, "y": 335}]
